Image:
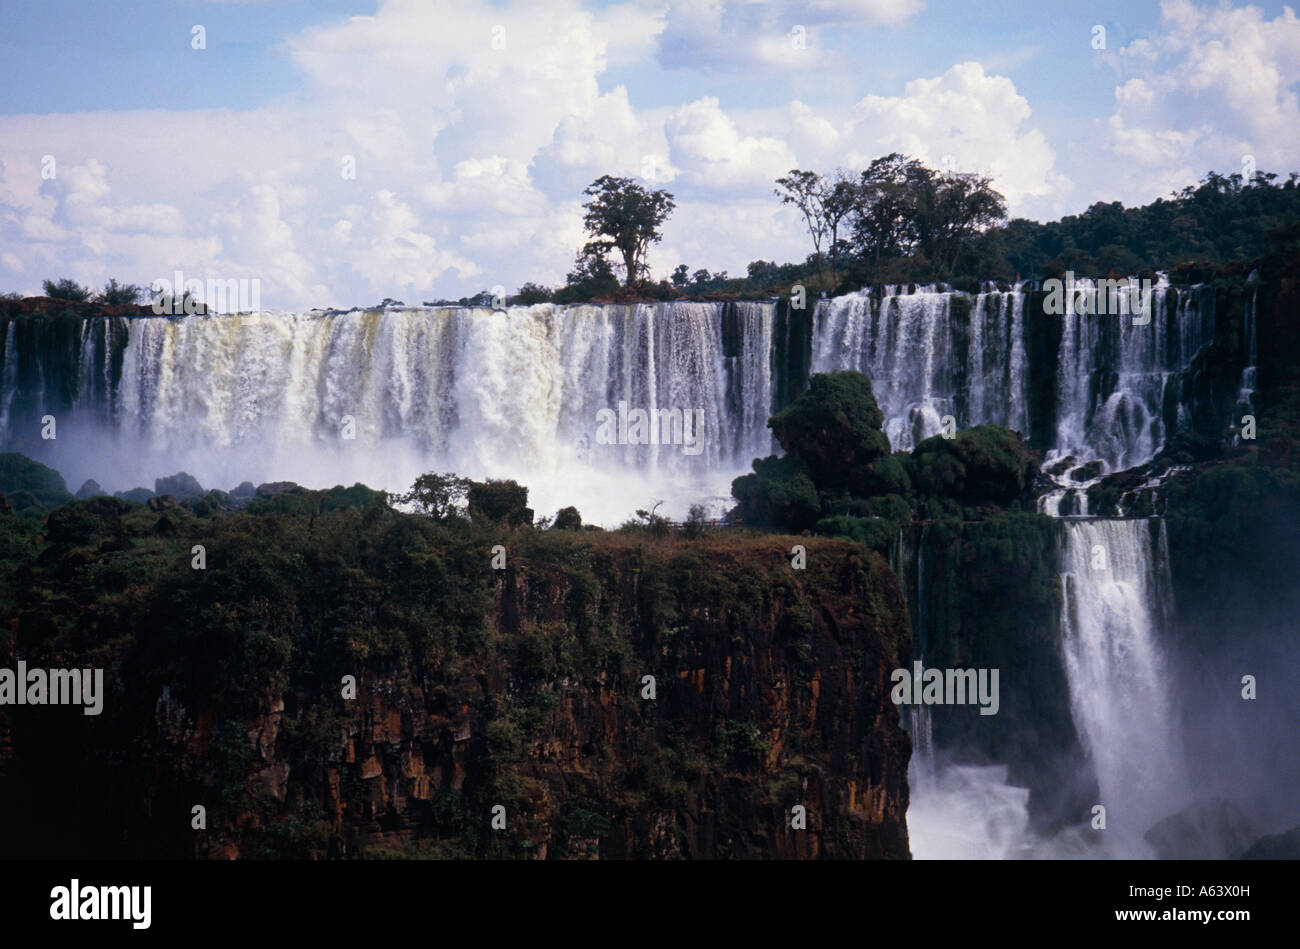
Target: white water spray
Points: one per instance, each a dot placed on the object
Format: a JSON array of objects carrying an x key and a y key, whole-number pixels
[{"x": 1115, "y": 580}]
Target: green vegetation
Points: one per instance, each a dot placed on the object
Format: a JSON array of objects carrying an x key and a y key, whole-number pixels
[
  {"x": 115, "y": 293},
  {"x": 66, "y": 289},
  {"x": 30, "y": 486},
  {"x": 567, "y": 519},
  {"x": 898, "y": 221},
  {"x": 624, "y": 218},
  {"x": 475, "y": 686},
  {"x": 833, "y": 427},
  {"x": 987, "y": 463},
  {"x": 502, "y": 502},
  {"x": 838, "y": 476}
]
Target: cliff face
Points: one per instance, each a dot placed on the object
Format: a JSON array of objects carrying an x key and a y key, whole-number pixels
[
  {"x": 992, "y": 600},
  {"x": 476, "y": 688}
]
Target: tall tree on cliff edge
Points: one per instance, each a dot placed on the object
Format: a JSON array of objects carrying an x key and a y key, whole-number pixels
[{"x": 624, "y": 217}]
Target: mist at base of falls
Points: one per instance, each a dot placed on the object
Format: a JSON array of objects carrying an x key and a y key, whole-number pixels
[
  {"x": 606, "y": 495},
  {"x": 1183, "y": 765},
  {"x": 972, "y": 812}
]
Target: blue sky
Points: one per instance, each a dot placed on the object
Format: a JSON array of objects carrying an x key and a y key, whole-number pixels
[{"x": 470, "y": 155}]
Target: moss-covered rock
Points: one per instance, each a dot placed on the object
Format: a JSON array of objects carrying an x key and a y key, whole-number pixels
[{"x": 834, "y": 427}]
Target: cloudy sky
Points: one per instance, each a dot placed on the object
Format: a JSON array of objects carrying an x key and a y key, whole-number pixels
[{"x": 341, "y": 152}]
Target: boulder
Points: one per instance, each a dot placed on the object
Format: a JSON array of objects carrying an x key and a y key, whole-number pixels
[
  {"x": 272, "y": 488},
  {"x": 179, "y": 485},
  {"x": 90, "y": 489}
]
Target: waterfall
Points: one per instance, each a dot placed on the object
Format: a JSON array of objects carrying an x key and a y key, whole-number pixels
[
  {"x": 1246, "y": 390},
  {"x": 382, "y": 395},
  {"x": 917, "y": 719},
  {"x": 1116, "y": 603},
  {"x": 1113, "y": 370},
  {"x": 516, "y": 392},
  {"x": 937, "y": 352},
  {"x": 1116, "y": 586},
  {"x": 933, "y": 353},
  {"x": 928, "y": 358}
]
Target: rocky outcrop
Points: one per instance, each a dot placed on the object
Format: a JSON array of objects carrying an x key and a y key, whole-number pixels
[
  {"x": 180, "y": 485},
  {"x": 273, "y": 489},
  {"x": 90, "y": 489}
]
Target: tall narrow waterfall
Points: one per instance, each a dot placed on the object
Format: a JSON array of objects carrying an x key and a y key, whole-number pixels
[
  {"x": 514, "y": 393},
  {"x": 1115, "y": 580},
  {"x": 1246, "y": 390}
]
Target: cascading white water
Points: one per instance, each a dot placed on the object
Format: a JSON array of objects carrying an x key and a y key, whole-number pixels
[
  {"x": 514, "y": 393},
  {"x": 927, "y": 358},
  {"x": 907, "y": 343},
  {"x": 1116, "y": 586},
  {"x": 1113, "y": 369},
  {"x": 1116, "y": 599},
  {"x": 1246, "y": 390}
]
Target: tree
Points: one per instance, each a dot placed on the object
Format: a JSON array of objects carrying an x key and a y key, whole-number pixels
[
  {"x": 696, "y": 522},
  {"x": 885, "y": 210},
  {"x": 500, "y": 502},
  {"x": 902, "y": 208},
  {"x": 591, "y": 277},
  {"x": 652, "y": 521},
  {"x": 780, "y": 493},
  {"x": 437, "y": 495},
  {"x": 531, "y": 293},
  {"x": 624, "y": 217},
  {"x": 681, "y": 276},
  {"x": 962, "y": 205},
  {"x": 567, "y": 519},
  {"x": 839, "y": 198},
  {"x": 981, "y": 464},
  {"x": 806, "y": 190},
  {"x": 117, "y": 293},
  {"x": 66, "y": 289}
]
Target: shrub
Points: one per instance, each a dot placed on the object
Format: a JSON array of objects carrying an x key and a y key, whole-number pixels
[
  {"x": 985, "y": 463},
  {"x": 499, "y": 502},
  {"x": 567, "y": 519},
  {"x": 780, "y": 493},
  {"x": 66, "y": 289}
]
